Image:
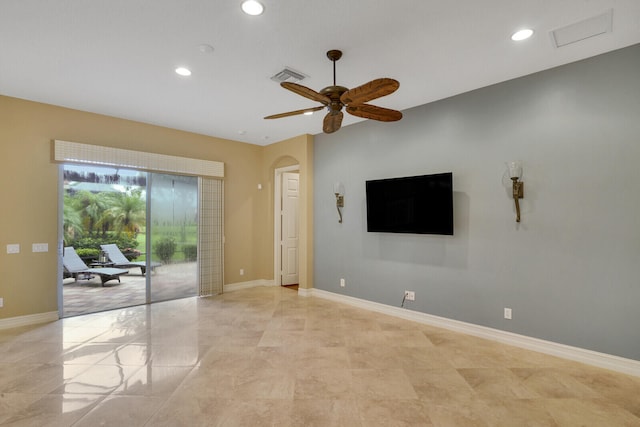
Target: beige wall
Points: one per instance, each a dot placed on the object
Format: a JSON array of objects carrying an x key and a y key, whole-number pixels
[
  {"x": 298, "y": 150},
  {"x": 29, "y": 193}
]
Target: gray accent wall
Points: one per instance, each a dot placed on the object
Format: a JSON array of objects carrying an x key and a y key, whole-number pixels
[{"x": 570, "y": 271}]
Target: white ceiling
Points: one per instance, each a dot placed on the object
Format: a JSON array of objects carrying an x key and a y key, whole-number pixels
[{"x": 118, "y": 57}]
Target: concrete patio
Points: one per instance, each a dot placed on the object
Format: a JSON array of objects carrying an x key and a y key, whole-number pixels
[{"x": 171, "y": 281}]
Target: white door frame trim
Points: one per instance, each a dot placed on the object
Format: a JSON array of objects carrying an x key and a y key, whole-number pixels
[{"x": 277, "y": 197}]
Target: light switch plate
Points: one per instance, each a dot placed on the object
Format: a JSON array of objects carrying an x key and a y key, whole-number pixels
[
  {"x": 13, "y": 248},
  {"x": 40, "y": 247}
]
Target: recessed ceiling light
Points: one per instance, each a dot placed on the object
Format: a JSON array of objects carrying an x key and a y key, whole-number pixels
[
  {"x": 308, "y": 113},
  {"x": 522, "y": 34},
  {"x": 252, "y": 7},
  {"x": 183, "y": 71}
]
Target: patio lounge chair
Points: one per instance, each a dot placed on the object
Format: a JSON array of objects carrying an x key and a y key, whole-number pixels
[
  {"x": 119, "y": 260},
  {"x": 76, "y": 268}
]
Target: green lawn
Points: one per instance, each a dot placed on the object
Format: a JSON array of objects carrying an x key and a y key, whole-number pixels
[{"x": 183, "y": 235}]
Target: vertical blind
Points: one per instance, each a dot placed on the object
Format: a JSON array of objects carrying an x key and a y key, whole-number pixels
[{"x": 210, "y": 235}]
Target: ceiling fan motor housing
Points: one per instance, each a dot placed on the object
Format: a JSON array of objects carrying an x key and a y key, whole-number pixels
[{"x": 334, "y": 93}]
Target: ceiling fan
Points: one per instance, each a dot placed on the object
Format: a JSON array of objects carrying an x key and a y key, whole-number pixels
[{"x": 354, "y": 100}]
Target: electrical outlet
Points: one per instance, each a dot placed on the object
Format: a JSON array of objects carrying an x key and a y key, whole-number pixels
[
  {"x": 410, "y": 295},
  {"x": 508, "y": 313},
  {"x": 13, "y": 248},
  {"x": 1, "y": 302},
  {"x": 242, "y": 271},
  {"x": 342, "y": 283}
]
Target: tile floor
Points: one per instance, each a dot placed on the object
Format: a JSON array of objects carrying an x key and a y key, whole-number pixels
[{"x": 267, "y": 357}]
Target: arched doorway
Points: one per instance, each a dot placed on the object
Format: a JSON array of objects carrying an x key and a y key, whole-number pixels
[{"x": 287, "y": 225}]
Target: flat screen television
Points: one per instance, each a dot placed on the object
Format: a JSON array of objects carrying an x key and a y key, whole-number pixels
[{"x": 415, "y": 204}]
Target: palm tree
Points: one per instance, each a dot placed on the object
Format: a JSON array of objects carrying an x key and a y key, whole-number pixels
[
  {"x": 92, "y": 207},
  {"x": 127, "y": 212},
  {"x": 72, "y": 221}
]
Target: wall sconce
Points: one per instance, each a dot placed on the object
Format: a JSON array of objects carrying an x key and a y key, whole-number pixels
[
  {"x": 338, "y": 190},
  {"x": 515, "y": 173}
]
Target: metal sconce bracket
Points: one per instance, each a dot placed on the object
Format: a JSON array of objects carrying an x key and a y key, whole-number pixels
[
  {"x": 518, "y": 193},
  {"x": 339, "y": 204},
  {"x": 515, "y": 173},
  {"x": 338, "y": 190}
]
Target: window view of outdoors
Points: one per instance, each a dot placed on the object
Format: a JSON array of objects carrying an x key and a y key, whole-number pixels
[
  {"x": 106, "y": 226},
  {"x": 173, "y": 231}
]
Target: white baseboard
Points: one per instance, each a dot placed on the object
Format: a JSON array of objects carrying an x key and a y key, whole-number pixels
[
  {"x": 246, "y": 285},
  {"x": 31, "y": 319},
  {"x": 594, "y": 358}
]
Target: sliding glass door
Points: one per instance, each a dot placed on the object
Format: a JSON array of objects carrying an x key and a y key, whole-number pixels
[
  {"x": 102, "y": 206},
  {"x": 173, "y": 236},
  {"x": 147, "y": 222}
]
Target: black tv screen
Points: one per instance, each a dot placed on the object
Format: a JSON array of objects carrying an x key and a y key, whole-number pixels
[{"x": 416, "y": 204}]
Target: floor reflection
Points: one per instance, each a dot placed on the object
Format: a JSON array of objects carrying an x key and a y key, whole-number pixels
[{"x": 267, "y": 356}]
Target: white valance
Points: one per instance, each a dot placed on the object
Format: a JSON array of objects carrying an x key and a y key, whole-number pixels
[{"x": 74, "y": 152}]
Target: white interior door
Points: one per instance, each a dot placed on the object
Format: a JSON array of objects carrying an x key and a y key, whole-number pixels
[{"x": 290, "y": 227}]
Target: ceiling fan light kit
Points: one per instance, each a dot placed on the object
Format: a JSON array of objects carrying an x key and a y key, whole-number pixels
[{"x": 354, "y": 101}]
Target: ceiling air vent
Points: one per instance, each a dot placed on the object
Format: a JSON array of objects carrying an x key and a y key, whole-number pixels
[
  {"x": 582, "y": 30},
  {"x": 288, "y": 75}
]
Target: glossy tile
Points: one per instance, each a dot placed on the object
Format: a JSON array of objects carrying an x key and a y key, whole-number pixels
[
  {"x": 497, "y": 383},
  {"x": 12, "y": 404},
  {"x": 382, "y": 384},
  {"x": 205, "y": 411},
  {"x": 224, "y": 359},
  {"x": 153, "y": 381},
  {"x": 51, "y": 410},
  {"x": 127, "y": 355},
  {"x": 462, "y": 413},
  {"x": 31, "y": 352},
  {"x": 618, "y": 388},
  {"x": 267, "y": 357},
  {"x": 589, "y": 412},
  {"x": 518, "y": 412},
  {"x": 440, "y": 385},
  {"x": 88, "y": 354},
  {"x": 325, "y": 413},
  {"x": 394, "y": 412},
  {"x": 315, "y": 357},
  {"x": 376, "y": 357},
  {"x": 553, "y": 383},
  {"x": 96, "y": 379},
  {"x": 127, "y": 411},
  {"x": 40, "y": 379},
  {"x": 328, "y": 384}
]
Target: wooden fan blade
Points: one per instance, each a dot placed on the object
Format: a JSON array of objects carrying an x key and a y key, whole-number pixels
[
  {"x": 294, "y": 113},
  {"x": 332, "y": 122},
  {"x": 306, "y": 92},
  {"x": 369, "y": 91},
  {"x": 376, "y": 113}
]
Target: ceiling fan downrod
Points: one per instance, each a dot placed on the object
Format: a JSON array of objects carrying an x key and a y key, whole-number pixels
[{"x": 334, "y": 55}]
